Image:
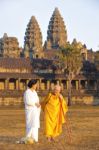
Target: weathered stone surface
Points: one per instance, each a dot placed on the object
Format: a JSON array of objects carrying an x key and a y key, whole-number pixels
[
  {"x": 33, "y": 39},
  {"x": 9, "y": 47},
  {"x": 56, "y": 34}
]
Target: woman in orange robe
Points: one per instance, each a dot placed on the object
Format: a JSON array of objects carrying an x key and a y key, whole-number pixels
[{"x": 55, "y": 108}]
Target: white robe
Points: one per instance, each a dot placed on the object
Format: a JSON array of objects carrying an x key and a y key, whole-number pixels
[{"x": 32, "y": 114}]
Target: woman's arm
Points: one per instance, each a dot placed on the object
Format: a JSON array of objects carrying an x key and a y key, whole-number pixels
[{"x": 28, "y": 99}]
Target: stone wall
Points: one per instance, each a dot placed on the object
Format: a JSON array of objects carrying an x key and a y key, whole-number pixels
[
  {"x": 18, "y": 101},
  {"x": 11, "y": 101},
  {"x": 87, "y": 100}
]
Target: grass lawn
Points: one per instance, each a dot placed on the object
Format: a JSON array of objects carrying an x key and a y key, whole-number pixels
[{"x": 84, "y": 122}]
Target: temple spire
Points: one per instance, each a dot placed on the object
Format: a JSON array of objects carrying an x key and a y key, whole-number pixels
[
  {"x": 33, "y": 38},
  {"x": 56, "y": 34}
]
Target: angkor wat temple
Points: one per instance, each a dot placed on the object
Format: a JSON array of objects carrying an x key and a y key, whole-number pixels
[{"x": 36, "y": 61}]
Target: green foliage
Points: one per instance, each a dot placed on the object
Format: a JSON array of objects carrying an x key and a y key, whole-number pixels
[
  {"x": 97, "y": 60},
  {"x": 70, "y": 59},
  {"x": 97, "y": 56}
]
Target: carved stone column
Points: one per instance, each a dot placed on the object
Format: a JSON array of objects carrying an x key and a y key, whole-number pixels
[
  {"x": 17, "y": 84},
  {"x": 86, "y": 84},
  {"x": 77, "y": 85},
  {"x": 95, "y": 85},
  {"x": 62, "y": 85},
  {"x": 52, "y": 86},
  {"x": 40, "y": 84},
  {"x": 7, "y": 84},
  {"x": 67, "y": 84},
  {"x": 80, "y": 87},
  {"x": 48, "y": 85},
  {"x": 27, "y": 81},
  {"x": 58, "y": 82}
]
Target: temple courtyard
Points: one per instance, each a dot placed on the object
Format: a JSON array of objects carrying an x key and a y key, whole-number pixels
[{"x": 82, "y": 120}]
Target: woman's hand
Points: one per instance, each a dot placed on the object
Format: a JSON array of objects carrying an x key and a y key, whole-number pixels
[
  {"x": 60, "y": 96},
  {"x": 37, "y": 105}
]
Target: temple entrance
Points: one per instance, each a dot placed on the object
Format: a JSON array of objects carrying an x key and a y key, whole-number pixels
[
  {"x": 44, "y": 84},
  {"x": 12, "y": 84},
  {"x": 23, "y": 84},
  {"x": 2, "y": 84},
  {"x": 73, "y": 84},
  {"x": 83, "y": 84},
  {"x": 91, "y": 84}
]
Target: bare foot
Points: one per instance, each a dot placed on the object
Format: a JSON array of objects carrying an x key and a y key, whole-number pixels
[
  {"x": 49, "y": 139},
  {"x": 53, "y": 139}
]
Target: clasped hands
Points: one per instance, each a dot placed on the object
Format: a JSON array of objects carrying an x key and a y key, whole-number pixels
[{"x": 37, "y": 105}]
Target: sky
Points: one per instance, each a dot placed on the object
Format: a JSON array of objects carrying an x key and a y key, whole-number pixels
[{"x": 81, "y": 18}]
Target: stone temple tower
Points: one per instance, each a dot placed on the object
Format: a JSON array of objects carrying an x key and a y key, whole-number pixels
[
  {"x": 33, "y": 39},
  {"x": 9, "y": 47},
  {"x": 56, "y": 34}
]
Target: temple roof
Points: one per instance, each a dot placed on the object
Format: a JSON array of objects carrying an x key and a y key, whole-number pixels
[
  {"x": 18, "y": 75},
  {"x": 15, "y": 63}
]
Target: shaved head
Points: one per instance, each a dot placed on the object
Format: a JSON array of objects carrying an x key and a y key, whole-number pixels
[{"x": 57, "y": 88}]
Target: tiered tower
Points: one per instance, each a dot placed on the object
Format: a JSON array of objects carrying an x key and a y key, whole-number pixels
[
  {"x": 56, "y": 34},
  {"x": 33, "y": 39},
  {"x": 9, "y": 47},
  {"x": 81, "y": 47}
]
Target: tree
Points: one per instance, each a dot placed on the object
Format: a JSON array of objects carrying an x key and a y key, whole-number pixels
[
  {"x": 71, "y": 61},
  {"x": 96, "y": 60}
]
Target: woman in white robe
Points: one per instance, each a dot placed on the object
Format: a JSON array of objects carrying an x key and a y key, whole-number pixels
[{"x": 32, "y": 111}]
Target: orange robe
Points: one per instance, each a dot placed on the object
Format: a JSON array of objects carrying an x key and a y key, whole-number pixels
[{"x": 54, "y": 114}]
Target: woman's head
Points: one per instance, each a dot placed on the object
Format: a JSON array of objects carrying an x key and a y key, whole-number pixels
[
  {"x": 57, "y": 89},
  {"x": 32, "y": 84}
]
